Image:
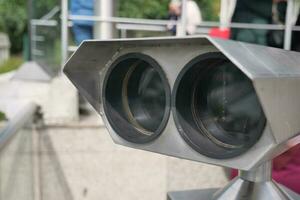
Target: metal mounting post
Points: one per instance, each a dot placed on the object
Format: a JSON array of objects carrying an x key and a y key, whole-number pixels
[{"x": 256, "y": 184}]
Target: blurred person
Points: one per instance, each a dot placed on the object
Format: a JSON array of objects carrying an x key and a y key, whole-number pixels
[
  {"x": 174, "y": 14},
  {"x": 286, "y": 167},
  {"x": 296, "y": 37},
  {"x": 276, "y": 37},
  {"x": 281, "y": 14},
  {"x": 262, "y": 12},
  {"x": 226, "y": 12},
  {"x": 255, "y": 12},
  {"x": 82, "y": 29},
  {"x": 193, "y": 18}
]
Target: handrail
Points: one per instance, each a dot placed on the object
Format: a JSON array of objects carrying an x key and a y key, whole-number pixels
[
  {"x": 66, "y": 17},
  {"x": 51, "y": 14},
  {"x": 118, "y": 20},
  {"x": 162, "y": 23},
  {"x": 16, "y": 123},
  {"x": 43, "y": 22}
]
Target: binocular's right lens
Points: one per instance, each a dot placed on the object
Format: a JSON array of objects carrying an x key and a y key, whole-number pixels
[{"x": 217, "y": 107}]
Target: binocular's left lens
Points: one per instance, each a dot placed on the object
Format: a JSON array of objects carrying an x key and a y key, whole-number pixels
[{"x": 137, "y": 98}]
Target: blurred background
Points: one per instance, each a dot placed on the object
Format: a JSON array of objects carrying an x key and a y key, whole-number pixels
[{"x": 54, "y": 146}]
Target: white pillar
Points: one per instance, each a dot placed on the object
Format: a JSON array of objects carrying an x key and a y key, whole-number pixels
[
  {"x": 226, "y": 12},
  {"x": 105, "y": 10},
  {"x": 292, "y": 13},
  {"x": 64, "y": 31},
  {"x": 97, "y": 24},
  {"x": 181, "y": 26}
]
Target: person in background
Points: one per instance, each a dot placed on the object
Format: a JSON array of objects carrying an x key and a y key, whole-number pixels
[
  {"x": 286, "y": 167},
  {"x": 174, "y": 14},
  {"x": 82, "y": 29},
  {"x": 296, "y": 37},
  {"x": 193, "y": 18},
  {"x": 255, "y": 12},
  {"x": 281, "y": 15}
]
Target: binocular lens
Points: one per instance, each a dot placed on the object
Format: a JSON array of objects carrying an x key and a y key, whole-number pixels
[
  {"x": 136, "y": 96},
  {"x": 143, "y": 98},
  {"x": 217, "y": 107}
]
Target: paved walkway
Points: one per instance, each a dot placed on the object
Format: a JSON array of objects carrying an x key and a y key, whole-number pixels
[
  {"x": 88, "y": 165},
  {"x": 78, "y": 160}
]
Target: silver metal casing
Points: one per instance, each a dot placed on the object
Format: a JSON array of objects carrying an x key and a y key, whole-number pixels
[{"x": 275, "y": 74}]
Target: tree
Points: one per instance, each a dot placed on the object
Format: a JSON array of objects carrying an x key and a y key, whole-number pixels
[
  {"x": 13, "y": 21},
  {"x": 13, "y": 14},
  {"x": 210, "y": 9},
  {"x": 158, "y": 9},
  {"x": 13, "y": 18},
  {"x": 149, "y": 9}
]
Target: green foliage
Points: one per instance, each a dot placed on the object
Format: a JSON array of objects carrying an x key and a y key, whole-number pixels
[
  {"x": 42, "y": 7},
  {"x": 13, "y": 21},
  {"x": 210, "y": 9},
  {"x": 13, "y": 18},
  {"x": 2, "y": 116},
  {"x": 151, "y": 9},
  {"x": 11, "y": 64},
  {"x": 13, "y": 13},
  {"x": 158, "y": 9}
]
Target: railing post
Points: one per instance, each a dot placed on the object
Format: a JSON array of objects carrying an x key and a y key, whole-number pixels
[
  {"x": 64, "y": 31},
  {"x": 32, "y": 39},
  {"x": 97, "y": 24},
  {"x": 19, "y": 121},
  {"x": 181, "y": 28},
  {"x": 105, "y": 10},
  {"x": 226, "y": 12},
  {"x": 30, "y": 16},
  {"x": 292, "y": 13}
]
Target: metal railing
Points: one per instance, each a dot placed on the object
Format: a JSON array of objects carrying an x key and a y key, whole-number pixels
[
  {"x": 124, "y": 24},
  {"x": 44, "y": 32},
  {"x": 36, "y": 38},
  {"x": 14, "y": 125},
  {"x": 19, "y": 155}
]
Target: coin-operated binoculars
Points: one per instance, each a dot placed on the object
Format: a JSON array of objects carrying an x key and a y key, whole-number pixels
[{"x": 221, "y": 102}]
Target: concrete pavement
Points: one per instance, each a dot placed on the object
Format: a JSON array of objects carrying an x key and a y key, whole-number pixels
[
  {"x": 86, "y": 164},
  {"x": 75, "y": 160}
]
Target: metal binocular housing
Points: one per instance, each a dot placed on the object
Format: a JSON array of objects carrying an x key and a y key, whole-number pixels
[{"x": 209, "y": 100}]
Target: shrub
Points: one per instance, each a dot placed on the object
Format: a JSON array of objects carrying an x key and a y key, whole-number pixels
[
  {"x": 2, "y": 116},
  {"x": 11, "y": 64}
]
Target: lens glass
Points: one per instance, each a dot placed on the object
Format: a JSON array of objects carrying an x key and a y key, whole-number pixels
[
  {"x": 226, "y": 106},
  {"x": 137, "y": 98},
  {"x": 216, "y": 108},
  {"x": 143, "y": 97}
]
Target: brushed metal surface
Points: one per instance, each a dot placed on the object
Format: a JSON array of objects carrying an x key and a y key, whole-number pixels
[
  {"x": 259, "y": 192},
  {"x": 275, "y": 74},
  {"x": 256, "y": 184},
  {"x": 204, "y": 194}
]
